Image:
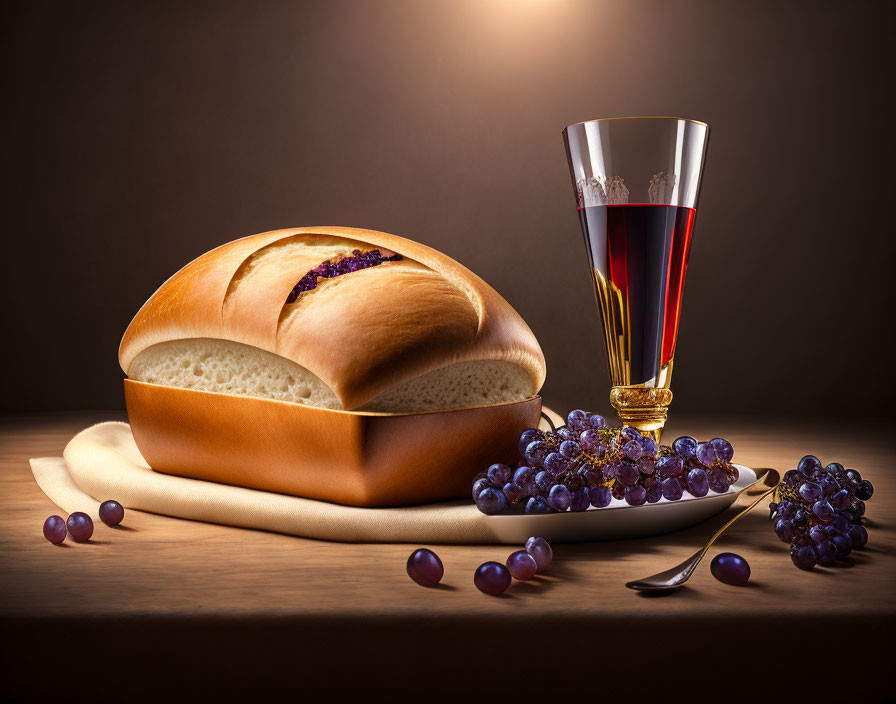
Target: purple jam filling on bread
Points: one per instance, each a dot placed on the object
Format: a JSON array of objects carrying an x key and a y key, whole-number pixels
[{"x": 329, "y": 270}]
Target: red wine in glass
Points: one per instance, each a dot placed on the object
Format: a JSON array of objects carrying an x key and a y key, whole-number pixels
[{"x": 639, "y": 257}]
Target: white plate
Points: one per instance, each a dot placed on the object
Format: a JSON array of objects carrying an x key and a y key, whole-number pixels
[{"x": 619, "y": 520}]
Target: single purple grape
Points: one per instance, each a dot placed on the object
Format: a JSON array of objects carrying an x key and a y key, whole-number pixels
[
  {"x": 425, "y": 567},
  {"x": 730, "y": 568},
  {"x": 784, "y": 530},
  {"x": 589, "y": 441},
  {"x": 591, "y": 475},
  {"x": 723, "y": 449},
  {"x": 654, "y": 490},
  {"x": 649, "y": 445},
  {"x": 559, "y": 497},
  {"x": 479, "y": 486},
  {"x": 524, "y": 476},
  {"x": 578, "y": 500},
  {"x": 818, "y": 534},
  {"x": 829, "y": 486},
  {"x": 628, "y": 434},
  {"x": 540, "y": 549},
  {"x": 596, "y": 422},
  {"x": 698, "y": 482},
  {"x": 647, "y": 465},
  {"x": 618, "y": 490},
  {"x": 808, "y": 466},
  {"x": 565, "y": 433},
  {"x": 633, "y": 450},
  {"x": 491, "y": 578},
  {"x": 865, "y": 490},
  {"x": 841, "y": 499},
  {"x": 536, "y": 451},
  {"x": 827, "y": 552},
  {"x": 499, "y": 474},
  {"x": 627, "y": 474},
  {"x": 707, "y": 455},
  {"x": 537, "y": 505},
  {"x": 823, "y": 511},
  {"x": 54, "y": 529},
  {"x": 570, "y": 449},
  {"x": 810, "y": 491},
  {"x": 522, "y": 565},
  {"x": 528, "y": 436},
  {"x": 853, "y": 478},
  {"x": 635, "y": 495},
  {"x": 574, "y": 482},
  {"x": 544, "y": 481},
  {"x": 111, "y": 513},
  {"x": 835, "y": 469},
  {"x": 672, "y": 490},
  {"x": 555, "y": 463},
  {"x": 843, "y": 543},
  {"x": 840, "y": 523},
  {"x": 80, "y": 527},
  {"x": 611, "y": 470},
  {"x": 858, "y": 536},
  {"x": 513, "y": 492},
  {"x": 803, "y": 557},
  {"x": 491, "y": 501},
  {"x": 600, "y": 496},
  {"x": 667, "y": 466},
  {"x": 718, "y": 481},
  {"x": 576, "y": 420},
  {"x": 685, "y": 446}
]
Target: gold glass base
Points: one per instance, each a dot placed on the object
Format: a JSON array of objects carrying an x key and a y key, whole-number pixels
[{"x": 643, "y": 408}]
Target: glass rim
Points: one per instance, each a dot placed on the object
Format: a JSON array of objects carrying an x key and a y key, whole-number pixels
[{"x": 638, "y": 117}]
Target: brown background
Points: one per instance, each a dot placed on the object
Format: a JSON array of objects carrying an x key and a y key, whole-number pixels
[{"x": 140, "y": 134}]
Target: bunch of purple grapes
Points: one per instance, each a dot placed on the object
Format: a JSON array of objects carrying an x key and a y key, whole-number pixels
[
  {"x": 818, "y": 510},
  {"x": 584, "y": 464}
]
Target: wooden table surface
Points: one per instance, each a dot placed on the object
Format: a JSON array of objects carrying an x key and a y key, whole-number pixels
[{"x": 238, "y": 605}]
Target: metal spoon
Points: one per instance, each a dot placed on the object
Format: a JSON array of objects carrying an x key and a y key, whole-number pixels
[{"x": 767, "y": 480}]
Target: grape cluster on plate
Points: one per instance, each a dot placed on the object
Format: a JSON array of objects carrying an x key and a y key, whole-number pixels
[
  {"x": 584, "y": 464},
  {"x": 818, "y": 510}
]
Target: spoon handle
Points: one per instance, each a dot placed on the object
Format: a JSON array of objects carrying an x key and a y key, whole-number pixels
[{"x": 725, "y": 527}]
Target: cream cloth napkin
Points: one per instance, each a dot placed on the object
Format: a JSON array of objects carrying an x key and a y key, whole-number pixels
[{"x": 103, "y": 462}]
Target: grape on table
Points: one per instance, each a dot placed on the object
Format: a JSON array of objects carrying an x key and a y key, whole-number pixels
[
  {"x": 111, "y": 513},
  {"x": 54, "y": 529},
  {"x": 730, "y": 568},
  {"x": 521, "y": 565},
  {"x": 425, "y": 567},
  {"x": 540, "y": 549},
  {"x": 492, "y": 578},
  {"x": 80, "y": 526}
]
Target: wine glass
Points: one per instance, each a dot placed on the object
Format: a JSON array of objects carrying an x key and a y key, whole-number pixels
[{"x": 636, "y": 182}]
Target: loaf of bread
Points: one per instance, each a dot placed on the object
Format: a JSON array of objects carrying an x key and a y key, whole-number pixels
[{"x": 337, "y": 318}]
